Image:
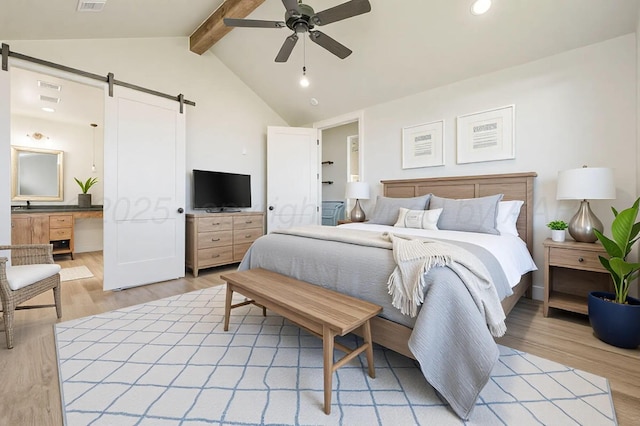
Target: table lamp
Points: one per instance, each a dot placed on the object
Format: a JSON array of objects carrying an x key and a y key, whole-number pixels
[
  {"x": 595, "y": 183},
  {"x": 359, "y": 191}
]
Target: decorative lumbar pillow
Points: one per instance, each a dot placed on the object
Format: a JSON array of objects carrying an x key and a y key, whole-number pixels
[
  {"x": 469, "y": 214},
  {"x": 507, "y": 219},
  {"x": 387, "y": 209},
  {"x": 420, "y": 219}
]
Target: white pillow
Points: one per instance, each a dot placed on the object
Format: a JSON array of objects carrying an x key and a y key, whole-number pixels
[
  {"x": 420, "y": 219},
  {"x": 508, "y": 212}
]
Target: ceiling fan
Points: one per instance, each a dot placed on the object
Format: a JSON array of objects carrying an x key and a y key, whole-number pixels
[{"x": 301, "y": 18}]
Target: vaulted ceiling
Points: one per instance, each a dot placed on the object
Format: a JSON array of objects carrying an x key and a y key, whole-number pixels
[{"x": 399, "y": 48}]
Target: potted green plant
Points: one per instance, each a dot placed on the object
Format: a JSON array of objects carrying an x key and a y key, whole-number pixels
[
  {"x": 84, "y": 199},
  {"x": 558, "y": 228},
  {"x": 615, "y": 317}
]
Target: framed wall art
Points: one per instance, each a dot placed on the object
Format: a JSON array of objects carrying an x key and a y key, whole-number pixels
[
  {"x": 422, "y": 145},
  {"x": 486, "y": 135}
]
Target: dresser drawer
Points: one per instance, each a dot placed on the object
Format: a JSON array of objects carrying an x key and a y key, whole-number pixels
[
  {"x": 56, "y": 234},
  {"x": 215, "y": 239},
  {"x": 214, "y": 256},
  {"x": 241, "y": 236},
  {"x": 208, "y": 224},
  {"x": 244, "y": 222},
  {"x": 239, "y": 251},
  {"x": 576, "y": 259},
  {"x": 61, "y": 221}
]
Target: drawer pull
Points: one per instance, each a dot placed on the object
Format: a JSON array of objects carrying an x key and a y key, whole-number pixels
[
  {"x": 215, "y": 239},
  {"x": 215, "y": 223},
  {"x": 247, "y": 236},
  {"x": 580, "y": 259},
  {"x": 215, "y": 255},
  {"x": 248, "y": 221}
]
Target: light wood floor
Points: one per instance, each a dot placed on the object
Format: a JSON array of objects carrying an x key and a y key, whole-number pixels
[{"x": 29, "y": 390}]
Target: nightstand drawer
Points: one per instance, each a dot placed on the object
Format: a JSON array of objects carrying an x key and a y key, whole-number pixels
[{"x": 576, "y": 259}]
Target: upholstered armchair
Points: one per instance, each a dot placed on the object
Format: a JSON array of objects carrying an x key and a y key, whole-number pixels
[{"x": 32, "y": 272}]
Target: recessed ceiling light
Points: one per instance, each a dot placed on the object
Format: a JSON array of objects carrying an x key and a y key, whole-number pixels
[
  {"x": 479, "y": 7},
  {"x": 51, "y": 99},
  {"x": 47, "y": 85},
  {"x": 91, "y": 5},
  {"x": 47, "y": 109}
]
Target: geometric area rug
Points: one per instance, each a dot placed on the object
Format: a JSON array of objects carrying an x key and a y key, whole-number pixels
[{"x": 169, "y": 362}]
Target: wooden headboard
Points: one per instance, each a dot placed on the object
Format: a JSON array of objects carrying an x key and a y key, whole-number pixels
[{"x": 514, "y": 186}]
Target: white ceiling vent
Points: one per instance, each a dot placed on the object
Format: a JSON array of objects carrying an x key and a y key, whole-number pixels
[
  {"x": 50, "y": 86},
  {"x": 52, "y": 99},
  {"x": 91, "y": 5}
]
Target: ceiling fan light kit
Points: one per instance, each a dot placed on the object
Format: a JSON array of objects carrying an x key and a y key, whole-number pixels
[
  {"x": 480, "y": 7},
  {"x": 301, "y": 18}
]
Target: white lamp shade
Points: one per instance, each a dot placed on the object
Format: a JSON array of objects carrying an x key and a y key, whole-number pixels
[
  {"x": 586, "y": 183},
  {"x": 359, "y": 190}
]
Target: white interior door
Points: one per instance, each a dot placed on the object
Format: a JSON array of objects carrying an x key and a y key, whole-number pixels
[
  {"x": 144, "y": 189},
  {"x": 293, "y": 177}
]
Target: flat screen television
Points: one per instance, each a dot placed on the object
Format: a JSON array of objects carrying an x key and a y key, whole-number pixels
[{"x": 220, "y": 191}]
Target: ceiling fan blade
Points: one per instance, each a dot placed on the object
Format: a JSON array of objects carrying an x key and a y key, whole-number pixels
[
  {"x": 342, "y": 11},
  {"x": 330, "y": 44},
  {"x": 286, "y": 48},
  {"x": 253, "y": 23},
  {"x": 291, "y": 6}
]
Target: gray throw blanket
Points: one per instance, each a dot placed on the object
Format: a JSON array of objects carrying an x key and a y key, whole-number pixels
[
  {"x": 450, "y": 337},
  {"x": 416, "y": 256}
]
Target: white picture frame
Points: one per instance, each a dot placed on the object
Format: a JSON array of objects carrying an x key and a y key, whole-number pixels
[
  {"x": 486, "y": 136},
  {"x": 423, "y": 145}
]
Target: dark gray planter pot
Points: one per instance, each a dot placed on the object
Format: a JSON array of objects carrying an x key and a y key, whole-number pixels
[
  {"x": 614, "y": 323},
  {"x": 84, "y": 200}
]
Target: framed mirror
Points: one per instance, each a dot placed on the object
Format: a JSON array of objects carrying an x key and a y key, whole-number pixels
[{"x": 36, "y": 174}]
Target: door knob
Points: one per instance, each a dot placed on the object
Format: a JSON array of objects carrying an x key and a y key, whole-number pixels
[
  {"x": 270, "y": 207},
  {"x": 180, "y": 210}
]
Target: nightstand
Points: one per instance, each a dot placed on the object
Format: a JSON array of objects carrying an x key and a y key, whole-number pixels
[
  {"x": 571, "y": 271},
  {"x": 343, "y": 221}
]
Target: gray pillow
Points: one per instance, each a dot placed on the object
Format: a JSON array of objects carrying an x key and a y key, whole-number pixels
[
  {"x": 470, "y": 214},
  {"x": 387, "y": 209}
]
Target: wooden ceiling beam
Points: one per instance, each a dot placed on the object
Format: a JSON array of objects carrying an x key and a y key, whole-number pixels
[{"x": 213, "y": 29}]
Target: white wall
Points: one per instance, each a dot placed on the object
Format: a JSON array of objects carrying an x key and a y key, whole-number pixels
[
  {"x": 226, "y": 130},
  {"x": 574, "y": 108}
]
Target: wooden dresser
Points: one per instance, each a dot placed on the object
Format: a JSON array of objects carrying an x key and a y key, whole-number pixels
[{"x": 215, "y": 239}]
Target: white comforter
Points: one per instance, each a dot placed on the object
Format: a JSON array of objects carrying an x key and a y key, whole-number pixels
[{"x": 510, "y": 251}]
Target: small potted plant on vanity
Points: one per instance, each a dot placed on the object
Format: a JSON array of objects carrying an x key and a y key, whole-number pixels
[
  {"x": 558, "y": 230},
  {"x": 615, "y": 317},
  {"x": 84, "y": 199}
]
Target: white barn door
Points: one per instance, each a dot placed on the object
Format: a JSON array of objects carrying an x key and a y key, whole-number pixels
[
  {"x": 293, "y": 177},
  {"x": 144, "y": 189}
]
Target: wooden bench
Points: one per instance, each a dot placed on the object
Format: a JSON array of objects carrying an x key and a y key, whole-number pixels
[{"x": 324, "y": 313}]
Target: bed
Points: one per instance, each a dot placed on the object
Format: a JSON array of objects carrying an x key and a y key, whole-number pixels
[{"x": 317, "y": 262}]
